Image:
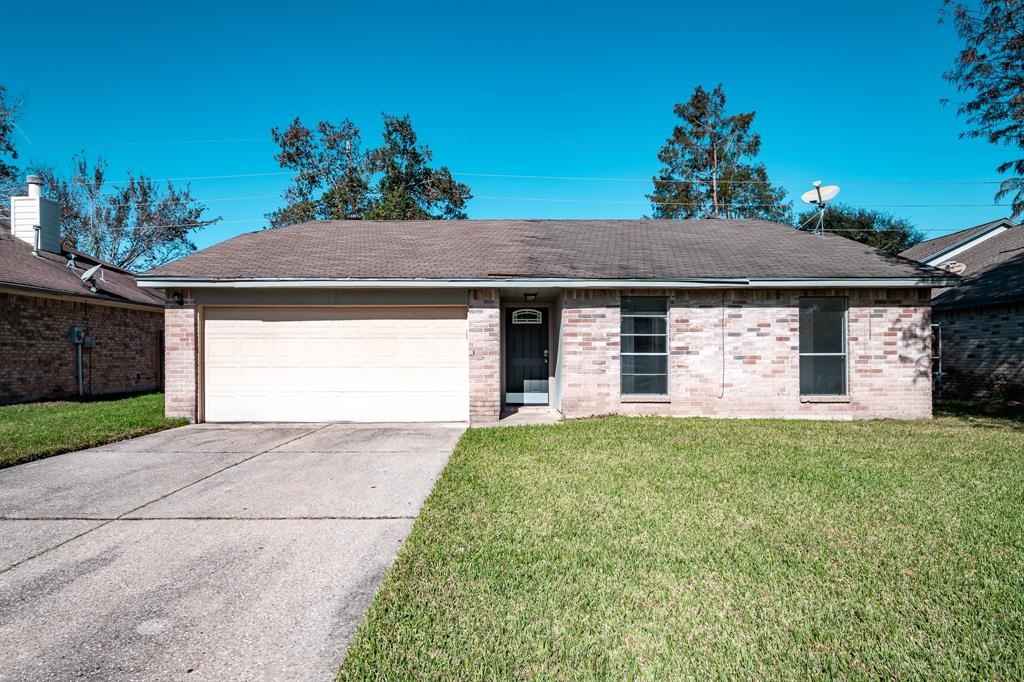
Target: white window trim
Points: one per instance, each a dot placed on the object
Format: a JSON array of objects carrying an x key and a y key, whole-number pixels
[{"x": 527, "y": 316}]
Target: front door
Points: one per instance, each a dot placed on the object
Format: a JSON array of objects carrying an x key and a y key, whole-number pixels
[{"x": 526, "y": 356}]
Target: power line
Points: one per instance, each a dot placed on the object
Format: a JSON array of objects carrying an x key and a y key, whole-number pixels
[
  {"x": 598, "y": 178},
  {"x": 722, "y": 182},
  {"x": 522, "y": 142},
  {"x": 733, "y": 206},
  {"x": 196, "y": 177}
]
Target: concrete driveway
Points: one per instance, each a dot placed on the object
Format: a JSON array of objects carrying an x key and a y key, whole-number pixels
[{"x": 208, "y": 552}]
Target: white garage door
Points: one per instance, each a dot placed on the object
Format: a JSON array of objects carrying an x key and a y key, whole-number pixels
[{"x": 336, "y": 364}]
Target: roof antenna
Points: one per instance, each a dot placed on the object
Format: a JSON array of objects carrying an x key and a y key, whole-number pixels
[{"x": 819, "y": 196}]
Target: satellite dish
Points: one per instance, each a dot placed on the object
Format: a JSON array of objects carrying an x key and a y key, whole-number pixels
[
  {"x": 90, "y": 273},
  {"x": 820, "y": 195}
]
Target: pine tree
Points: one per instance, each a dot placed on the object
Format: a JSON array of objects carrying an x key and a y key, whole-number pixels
[{"x": 709, "y": 168}]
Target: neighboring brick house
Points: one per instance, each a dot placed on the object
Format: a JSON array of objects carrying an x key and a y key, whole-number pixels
[
  {"x": 980, "y": 322},
  {"x": 43, "y": 295},
  {"x": 469, "y": 320}
]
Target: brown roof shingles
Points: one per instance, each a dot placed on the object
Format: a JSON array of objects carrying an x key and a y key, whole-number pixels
[
  {"x": 570, "y": 249},
  {"x": 925, "y": 249},
  {"x": 994, "y": 273},
  {"x": 48, "y": 272}
]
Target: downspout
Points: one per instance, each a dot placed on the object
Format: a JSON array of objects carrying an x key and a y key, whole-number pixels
[{"x": 81, "y": 391}]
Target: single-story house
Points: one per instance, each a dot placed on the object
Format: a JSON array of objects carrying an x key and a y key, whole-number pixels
[
  {"x": 67, "y": 329},
  {"x": 457, "y": 320},
  {"x": 979, "y": 339}
]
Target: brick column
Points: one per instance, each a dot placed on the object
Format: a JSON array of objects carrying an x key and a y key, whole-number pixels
[
  {"x": 180, "y": 355},
  {"x": 484, "y": 355},
  {"x": 590, "y": 353}
]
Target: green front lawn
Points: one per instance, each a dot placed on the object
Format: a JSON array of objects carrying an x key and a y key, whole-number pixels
[
  {"x": 621, "y": 548},
  {"x": 35, "y": 430}
]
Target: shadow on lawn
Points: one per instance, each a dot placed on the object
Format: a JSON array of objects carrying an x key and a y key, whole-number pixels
[{"x": 982, "y": 415}]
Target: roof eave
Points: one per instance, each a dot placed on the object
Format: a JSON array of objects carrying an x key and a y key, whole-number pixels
[
  {"x": 167, "y": 282},
  {"x": 99, "y": 300},
  {"x": 941, "y": 253}
]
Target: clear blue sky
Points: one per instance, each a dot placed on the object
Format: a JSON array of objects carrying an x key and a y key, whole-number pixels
[{"x": 847, "y": 92}]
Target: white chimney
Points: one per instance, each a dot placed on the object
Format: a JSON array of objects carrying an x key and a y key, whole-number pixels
[{"x": 36, "y": 220}]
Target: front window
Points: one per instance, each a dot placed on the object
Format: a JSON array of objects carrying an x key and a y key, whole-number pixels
[
  {"x": 644, "y": 339},
  {"x": 823, "y": 346}
]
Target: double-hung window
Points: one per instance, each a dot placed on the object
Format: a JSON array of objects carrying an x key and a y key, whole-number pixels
[
  {"x": 644, "y": 345},
  {"x": 823, "y": 346}
]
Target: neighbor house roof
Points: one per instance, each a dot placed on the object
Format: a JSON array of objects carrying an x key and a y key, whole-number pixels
[
  {"x": 48, "y": 273},
  {"x": 504, "y": 250},
  {"x": 927, "y": 250},
  {"x": 993, "y": 273}
]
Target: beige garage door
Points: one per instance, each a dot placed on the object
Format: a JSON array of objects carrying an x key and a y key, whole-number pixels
[{"x": 336, "y": 364}]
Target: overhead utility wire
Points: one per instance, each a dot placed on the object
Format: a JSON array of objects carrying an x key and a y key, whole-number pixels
[
  {"x": 518, "y": 142},
  {"x": 589, "y": 178}
]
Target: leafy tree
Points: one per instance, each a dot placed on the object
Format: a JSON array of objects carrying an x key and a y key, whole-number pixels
[
  {"x": 409, "y": 189},
  {"x": 9, "y": 181},
  {"x": 8, "y": 117},
  {"x": 332, "y": 177},
  {"x": 709, "y": 168},
  {"x": 989, "y": 70},
  {"x": 135, "y": 225},
  {"x": 879, "y": 229},
  {"x": 335, "y": 180}
]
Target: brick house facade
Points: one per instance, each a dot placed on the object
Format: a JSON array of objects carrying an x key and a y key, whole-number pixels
[
  {"x": 127, "y": 356},
  {"x": 45, "y": 290},
  {"x": 577, "y": 318},
  {"x": 733, "y": 353},
  {"x": 736, "y": 354},
  {"x": 983, "y": 352},
  {"x": 979, "y": 323}
]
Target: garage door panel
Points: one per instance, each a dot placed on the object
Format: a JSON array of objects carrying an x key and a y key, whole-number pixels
[{"x": 336, "y": 364}]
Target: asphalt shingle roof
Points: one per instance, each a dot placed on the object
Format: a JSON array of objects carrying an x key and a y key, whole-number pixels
[
  {"x": 930, "y": 247},
  {"x": 48, "y": 272},
  {"x": 570, "y": 249},
  {"x": 994, "y": 273}
]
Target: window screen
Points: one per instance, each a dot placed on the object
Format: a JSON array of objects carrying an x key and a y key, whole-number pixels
[
  {"x": 644, "y": 346},
  {"x": 823, "y": 346}
]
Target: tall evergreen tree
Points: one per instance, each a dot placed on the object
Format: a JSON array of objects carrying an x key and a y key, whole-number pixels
[
  {"x": 710, "y": 169},
  {"x": 332, "y": 180},
  {"x": 879, "y": 229},
  {"x": 409, "y": 189},
  {"x": 990, "y": 71}
]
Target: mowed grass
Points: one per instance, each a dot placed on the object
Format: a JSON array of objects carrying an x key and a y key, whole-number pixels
[
  {"x": 35, "y": 430},
  {"x": 622, "y": 548}
]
